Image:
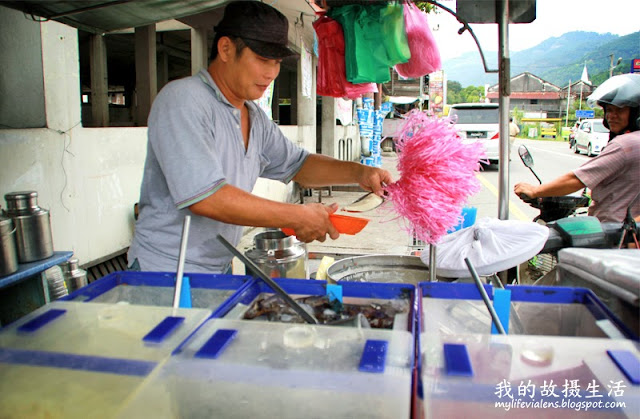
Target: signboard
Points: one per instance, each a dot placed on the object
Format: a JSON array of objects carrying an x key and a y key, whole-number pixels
[
  {"x": 635, "y": 65},
  {"x": 585, "y": 114},
  {"x": 437, "y": 95}
]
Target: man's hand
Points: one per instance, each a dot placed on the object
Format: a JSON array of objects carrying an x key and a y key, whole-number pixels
[
  {"x": 374, "y": 179},
  {"x": 315, "y": 224},
  {"x": 525, "y": 189}
]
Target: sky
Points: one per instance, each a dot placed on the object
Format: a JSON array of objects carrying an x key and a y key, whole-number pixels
[{"x": 553, "y": 18}]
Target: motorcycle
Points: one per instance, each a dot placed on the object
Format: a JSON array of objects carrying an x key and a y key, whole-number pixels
[
  {"x": 553, "y": 207},
  {"x": 559, "y": 213}
]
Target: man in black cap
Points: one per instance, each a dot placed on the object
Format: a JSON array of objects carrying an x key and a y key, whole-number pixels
[{"x": 208, "y": 144}]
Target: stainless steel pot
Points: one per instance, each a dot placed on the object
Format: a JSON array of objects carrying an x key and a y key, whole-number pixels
[
  {"x": 33, "y": 226},
  {"x": 379, "y": 268},
  {"x": 279, "y": 255},
  {"x": 8, "y": 251},
  {"x": 74, "y": 277}
]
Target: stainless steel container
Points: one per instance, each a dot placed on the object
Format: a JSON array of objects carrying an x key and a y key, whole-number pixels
[
  {"x": 279, "y": 255},
  {"x": 379, "y": 268},
  {"x": 33, "y": 226},
  {"x": 55, "y": 280},
  {"x": 8, "y": 251},
  {"x": 74, "y": 277}
]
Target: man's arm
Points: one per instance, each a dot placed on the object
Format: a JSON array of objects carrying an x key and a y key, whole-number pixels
[
  {"x": 232, "y": 205},
  {"x": 319, "y": 170},
  {"x": 562, "y": 185}
]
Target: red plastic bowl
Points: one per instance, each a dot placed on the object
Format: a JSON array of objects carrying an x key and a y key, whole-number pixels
[{"x": 343, "y": 223}]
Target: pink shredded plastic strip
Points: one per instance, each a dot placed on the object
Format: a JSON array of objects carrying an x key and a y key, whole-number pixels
[{"x": 437, "y": 175}]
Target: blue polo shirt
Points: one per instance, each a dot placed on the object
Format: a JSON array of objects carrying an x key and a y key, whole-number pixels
[{"x": 195, "y": 146}]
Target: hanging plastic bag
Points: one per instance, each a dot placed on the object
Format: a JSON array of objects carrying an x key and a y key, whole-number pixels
[
  {"x": 395, "y": 34},
  {"x": 331, "y": 77},
  {"x": 425, "y": 56},
  {"x": 375, "y": 39}
]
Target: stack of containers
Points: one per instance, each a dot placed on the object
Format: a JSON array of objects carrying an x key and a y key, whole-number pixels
[
  {"x": 69, "y": 359},
  {"x": 365, "y": 115},
  {"x": 248, "y": 368},
  {"x": 563, "y": 349},
  {"x": 370, "y": 123},
  {"x": 83, "y": 355}
]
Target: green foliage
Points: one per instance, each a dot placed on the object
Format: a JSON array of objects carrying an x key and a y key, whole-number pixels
[
  {"x": 457, "y": 94},
  {"x": 517, "y": 115},
  {"x": 426, "y": 7}
]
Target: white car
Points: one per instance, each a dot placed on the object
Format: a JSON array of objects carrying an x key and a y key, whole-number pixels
[
  {"x": 591, "y": 137},
  {"x": 479, "y": 122}
]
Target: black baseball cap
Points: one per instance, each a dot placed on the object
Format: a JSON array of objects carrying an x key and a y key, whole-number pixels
[{"x": 262, "y": 28}]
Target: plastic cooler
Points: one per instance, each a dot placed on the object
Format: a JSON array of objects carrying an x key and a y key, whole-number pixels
[
  {"x": 612, "y": 274},
  {"x": 244, "y": 369},
  {"x": 556, "y": 335},
  {"x": 68, "y": 359},
  {"x": 358, "y": 293},
  {"x": 452, "y": 308},
  {"x": 208, "y": 291},
  {"x": 516, "y": 376}
]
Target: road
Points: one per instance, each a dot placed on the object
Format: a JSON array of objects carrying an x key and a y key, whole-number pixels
[{"x": 551, "y": 158}]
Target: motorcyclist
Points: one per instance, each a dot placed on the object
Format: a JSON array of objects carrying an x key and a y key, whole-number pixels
[{"x": 614, "y": 176}]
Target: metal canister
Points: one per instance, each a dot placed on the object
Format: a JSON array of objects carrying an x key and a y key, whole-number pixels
[
  {"x": 8, "y": 251},
  {"x": 279, "y": 255},
  {"x": 55, "y": 280},
  {"x": 33, "y": 226},
  {"x": 74, "y": 277}
]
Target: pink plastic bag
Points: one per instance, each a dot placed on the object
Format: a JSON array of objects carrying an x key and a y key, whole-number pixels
[{"x": 425, "y": 56}]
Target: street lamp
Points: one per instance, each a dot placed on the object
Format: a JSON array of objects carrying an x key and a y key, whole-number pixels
[{"x": 613, "y": 66}]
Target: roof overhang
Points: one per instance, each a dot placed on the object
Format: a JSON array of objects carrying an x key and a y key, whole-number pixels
[{"x": 103, "y": 16}]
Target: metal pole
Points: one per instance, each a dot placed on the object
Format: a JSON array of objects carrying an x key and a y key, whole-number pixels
[
  {"x": 181, "y": 259},
  {"x": 566, "y": 121},
  {"x": 485, "y": 297},
  {"x": 432, "y": 263},
  {"x": 504, "y": 81}
]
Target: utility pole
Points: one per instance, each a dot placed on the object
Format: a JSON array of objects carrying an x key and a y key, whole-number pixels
[{"x": 612, "y": 67}]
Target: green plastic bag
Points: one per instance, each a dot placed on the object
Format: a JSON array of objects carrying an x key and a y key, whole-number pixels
[{"x": 375, "y": 39}]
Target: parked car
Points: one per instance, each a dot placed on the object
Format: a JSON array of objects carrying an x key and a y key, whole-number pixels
[
  {"x": 591, "y": 137},
  {"x": 479, "y": 122}
]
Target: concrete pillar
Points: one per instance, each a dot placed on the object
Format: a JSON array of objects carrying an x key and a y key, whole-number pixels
[
  {"x": 199, "y": 53},
  {"x": 305, "y": 109},
  {"x": 146, "y": 73},
  {"x": 163, "y": 69},
  {"x": 61, "y": 76},
  {"x": 99, "y": 82},
  {"x": 329, "y": 126}
]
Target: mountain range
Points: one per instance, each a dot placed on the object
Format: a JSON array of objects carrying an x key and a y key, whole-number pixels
[{"x": 557, "y": 60}]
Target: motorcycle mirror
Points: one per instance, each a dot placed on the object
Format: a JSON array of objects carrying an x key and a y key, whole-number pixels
[
  {"x": 527, "y": 159},
  {"x": 525, "y": 156}
]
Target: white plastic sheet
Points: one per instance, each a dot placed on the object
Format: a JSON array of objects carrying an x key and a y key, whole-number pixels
[{"x": 492, "y": 245}]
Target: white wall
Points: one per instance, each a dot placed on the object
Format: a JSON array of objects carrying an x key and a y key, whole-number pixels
[{"x": 88, "y": 178}]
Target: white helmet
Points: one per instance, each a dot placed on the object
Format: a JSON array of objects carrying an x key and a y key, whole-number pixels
[{"x": 621, "y": 90}]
